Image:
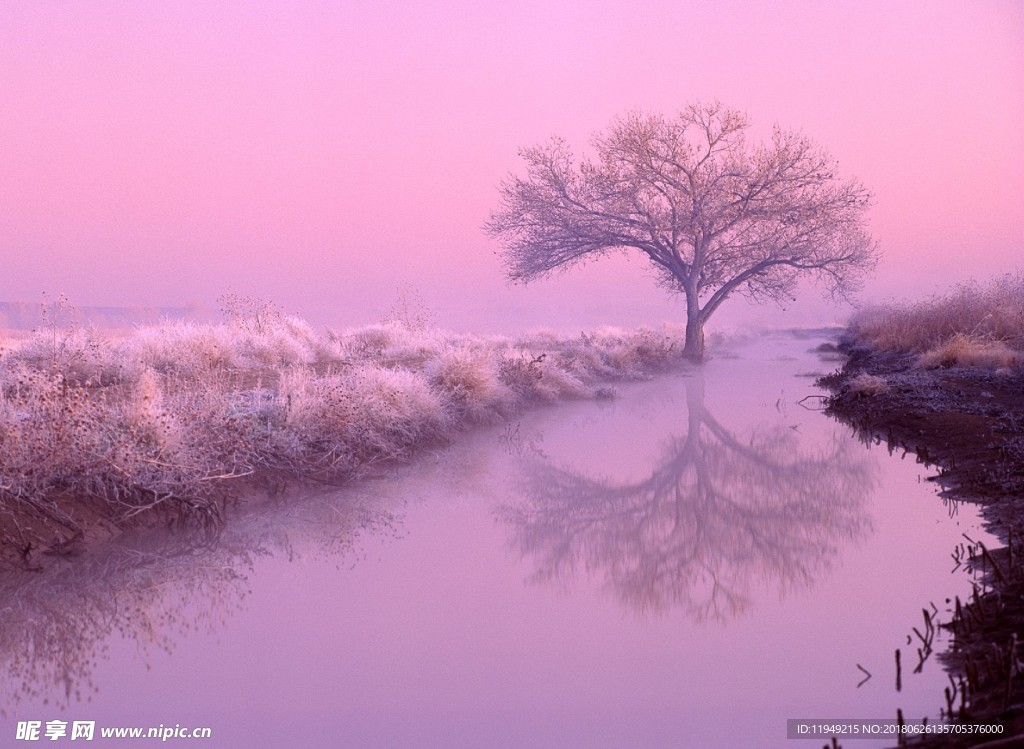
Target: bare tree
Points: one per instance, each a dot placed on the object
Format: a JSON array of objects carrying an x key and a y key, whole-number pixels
[{"x": 714, "y": 215}]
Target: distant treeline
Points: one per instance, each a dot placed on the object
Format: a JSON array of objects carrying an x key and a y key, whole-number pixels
[{"x": 32, "y": 315}]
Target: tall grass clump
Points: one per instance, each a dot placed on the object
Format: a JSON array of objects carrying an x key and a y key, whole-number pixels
[
  {"x": 467, "y": 378},
  {"x": 336, "y": 423},
  {"x": 970, "y": 351},
  {"x": 183, "y": 347},
  {"x": 165, "y": 421},
  {"x": 974, "y": 324}
]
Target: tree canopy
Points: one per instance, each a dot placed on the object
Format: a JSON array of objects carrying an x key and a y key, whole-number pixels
[{"x": 713, "y": 214}]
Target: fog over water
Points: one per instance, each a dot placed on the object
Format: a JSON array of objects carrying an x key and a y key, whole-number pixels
[{"x": 689, "y": 564}]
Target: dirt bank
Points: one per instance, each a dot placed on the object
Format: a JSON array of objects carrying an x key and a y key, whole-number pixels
[{"x": 969, "y": 423}]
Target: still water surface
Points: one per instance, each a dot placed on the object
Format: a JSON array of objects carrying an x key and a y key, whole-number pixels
[{"x": 689, "y": 564}]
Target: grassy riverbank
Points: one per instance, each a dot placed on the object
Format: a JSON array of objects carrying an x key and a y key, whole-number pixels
[
  {"x": 944, "y": 379},
  {"x": 171, "y": 421}
]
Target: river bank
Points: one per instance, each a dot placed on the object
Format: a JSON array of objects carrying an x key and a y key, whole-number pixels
[
  {"x": 969, "y": 423},
  {"x": 636, "y": 571},
  {"x": 167, "y": 425}
]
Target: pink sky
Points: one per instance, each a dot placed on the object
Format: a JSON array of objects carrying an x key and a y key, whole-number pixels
[{"x": 320, "y": 153}]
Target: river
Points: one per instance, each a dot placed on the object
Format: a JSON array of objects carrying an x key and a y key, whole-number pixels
[{"x": 689, "y": 564}]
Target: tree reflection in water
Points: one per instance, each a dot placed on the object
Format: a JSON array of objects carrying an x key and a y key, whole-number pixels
[
  {"x": 719, "y": 516},
  {"x": 55, "y": 625}
]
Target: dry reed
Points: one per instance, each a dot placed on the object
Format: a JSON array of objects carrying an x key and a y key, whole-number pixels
[
  {"x": 974, "y": 324},
  {"x": 165, "y": 419}
]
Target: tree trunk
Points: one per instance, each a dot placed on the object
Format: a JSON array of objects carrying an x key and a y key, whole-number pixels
[{"x": 694, "y": 348}]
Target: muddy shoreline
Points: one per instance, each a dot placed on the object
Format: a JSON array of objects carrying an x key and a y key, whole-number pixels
[{"x": 969, "y": 424}]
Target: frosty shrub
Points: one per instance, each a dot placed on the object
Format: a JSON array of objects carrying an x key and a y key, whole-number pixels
[
  {"x": 556, "y": 382},
  {"x": 184, "y": 347},
  {"x": 468, "y": 381},
  {"x": 409, "y": 310},
  {"x": 273, "y": 348},
  {"x": 520, "y": 372},
  {"x": 69, "y": 451},
  {"x": 365, "y": 343},
  {"x": 343, "y": 421},
  {"x": 77, "y": 355},
  {"x": 250, "y": 314},
  {"x": 148, "y": 417},
  {"x": 162, "y": 423},
  {"x": 395, "y": 410}
]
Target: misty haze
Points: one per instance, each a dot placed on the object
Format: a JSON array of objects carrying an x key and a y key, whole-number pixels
[{"x": 550, "y": 375}]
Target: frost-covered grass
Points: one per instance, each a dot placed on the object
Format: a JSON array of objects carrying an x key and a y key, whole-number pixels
[
  {"x": 975, "y": 324},
  {"x": 169, "y": 418},
  {"x": 867, "y": 384}
]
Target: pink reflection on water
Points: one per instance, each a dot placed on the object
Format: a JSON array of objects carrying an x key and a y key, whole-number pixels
[{"x": 453, "y": 604}]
